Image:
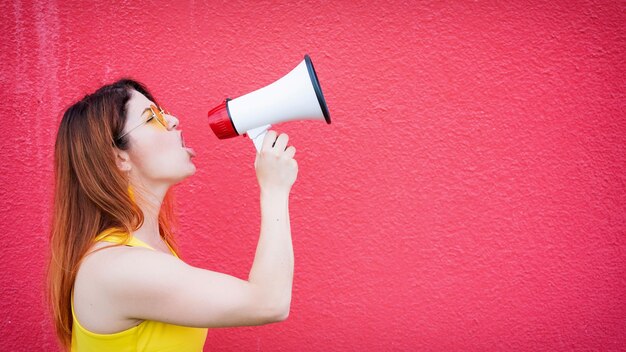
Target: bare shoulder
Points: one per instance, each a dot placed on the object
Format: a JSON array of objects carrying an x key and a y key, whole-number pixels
[
  {"x": 107, "y": 266},
  {"x": 93, "y": 306}
]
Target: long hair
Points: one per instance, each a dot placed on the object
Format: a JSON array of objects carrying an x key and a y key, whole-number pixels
[{"x": 91, "y": 193}]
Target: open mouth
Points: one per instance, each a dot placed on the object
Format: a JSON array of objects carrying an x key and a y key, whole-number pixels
[{"x": 191, "y": 152}]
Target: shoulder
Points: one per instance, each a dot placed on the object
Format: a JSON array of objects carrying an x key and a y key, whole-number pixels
[
  {"x": 111, "y": 278},
  {"x": 116, "y": 268},
  {"x": 97, "y": 277},
  {"x": 100, "y": 261}
]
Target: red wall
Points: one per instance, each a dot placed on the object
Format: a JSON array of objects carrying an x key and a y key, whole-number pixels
[{"x": 469, "y": 194}]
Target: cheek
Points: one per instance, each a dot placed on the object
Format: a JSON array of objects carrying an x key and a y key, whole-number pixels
[{"x": 157, "y": 156}]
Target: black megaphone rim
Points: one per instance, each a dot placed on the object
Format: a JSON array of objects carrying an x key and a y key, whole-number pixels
[{"x": 317, "y": 88}]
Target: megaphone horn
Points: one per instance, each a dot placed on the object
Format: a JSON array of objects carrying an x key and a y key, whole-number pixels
[{"x": 295, "y": 96}]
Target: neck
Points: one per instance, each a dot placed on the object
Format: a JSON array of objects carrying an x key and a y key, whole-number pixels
[{"x": 149, "y": 200}]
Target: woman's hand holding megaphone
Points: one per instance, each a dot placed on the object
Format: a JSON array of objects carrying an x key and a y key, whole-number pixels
[{"x": 276, "y": 169}]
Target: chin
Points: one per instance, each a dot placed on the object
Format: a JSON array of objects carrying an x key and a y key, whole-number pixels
[
  {"x": 193, "y": 170},
  {"x": 190, "y": 171}
]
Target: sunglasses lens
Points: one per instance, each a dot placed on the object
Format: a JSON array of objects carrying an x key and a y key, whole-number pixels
[
  {"x": 161, "y": 119},
  {"x": 159, "y": 116}
]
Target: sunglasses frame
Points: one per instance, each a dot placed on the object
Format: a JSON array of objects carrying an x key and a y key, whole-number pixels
[{"x": 157, "y": 113}]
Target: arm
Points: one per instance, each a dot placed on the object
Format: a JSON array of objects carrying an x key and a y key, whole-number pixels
[
  {"x": 272, "y": 270},
  {"x": 153, "y": 286}
]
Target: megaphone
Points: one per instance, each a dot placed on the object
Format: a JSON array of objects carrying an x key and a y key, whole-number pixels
[{"x": 295, "y": 96}]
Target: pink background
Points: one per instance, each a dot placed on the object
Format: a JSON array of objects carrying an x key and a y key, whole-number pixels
[{"x": 469, "y": 194}]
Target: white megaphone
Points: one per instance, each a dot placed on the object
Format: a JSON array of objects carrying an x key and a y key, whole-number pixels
[{"x": 296, "y": 96}]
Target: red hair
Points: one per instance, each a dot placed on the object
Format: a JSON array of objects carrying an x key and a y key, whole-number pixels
[{"x": 91, "y": 194}]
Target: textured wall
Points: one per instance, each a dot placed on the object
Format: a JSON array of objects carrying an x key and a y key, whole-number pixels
[{"x": 469, "y": 194}]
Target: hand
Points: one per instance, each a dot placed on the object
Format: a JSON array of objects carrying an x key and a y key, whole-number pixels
[{"x": 276, "y": 169}]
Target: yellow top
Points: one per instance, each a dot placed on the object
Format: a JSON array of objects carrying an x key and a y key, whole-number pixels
[{"x": 147, "y": 336}]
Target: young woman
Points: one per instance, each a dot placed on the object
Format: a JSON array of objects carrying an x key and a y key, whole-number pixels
[{"x": 115, "y": 282}]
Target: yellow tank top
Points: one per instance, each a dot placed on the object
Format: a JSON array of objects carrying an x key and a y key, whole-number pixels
[{"x": 148, "y": 336}]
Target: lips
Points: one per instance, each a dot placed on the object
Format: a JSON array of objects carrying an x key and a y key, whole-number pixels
[{"x": 191, "y": 152}]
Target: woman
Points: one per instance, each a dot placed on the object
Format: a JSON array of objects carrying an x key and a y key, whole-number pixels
[{"x": 115, "y": 282}]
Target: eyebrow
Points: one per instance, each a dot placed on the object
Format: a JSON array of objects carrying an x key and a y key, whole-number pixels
[{"x": 145, "y": 111}]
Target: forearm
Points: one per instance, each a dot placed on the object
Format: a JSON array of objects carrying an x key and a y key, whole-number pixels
[{"x": 272, "y": 270}]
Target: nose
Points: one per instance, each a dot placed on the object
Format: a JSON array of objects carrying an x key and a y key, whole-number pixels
[{"x": 172, "y": 121}]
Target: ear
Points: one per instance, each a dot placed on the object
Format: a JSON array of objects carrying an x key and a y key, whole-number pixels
[{"x": 122, "y": 159}]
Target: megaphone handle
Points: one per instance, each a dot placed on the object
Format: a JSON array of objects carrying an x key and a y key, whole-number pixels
[{"x": 257, "y": 135}]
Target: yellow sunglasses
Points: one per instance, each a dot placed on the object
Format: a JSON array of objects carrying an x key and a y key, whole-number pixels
[{"x": 157, "y": 113}]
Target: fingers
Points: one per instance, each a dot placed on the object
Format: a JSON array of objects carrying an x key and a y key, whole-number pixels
[
  {"x": 268, "y": 141},
  {"x": 278, "y": 144},
  {"x": 290, "y": 151},
  {"x": 281, "y": 142}
]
